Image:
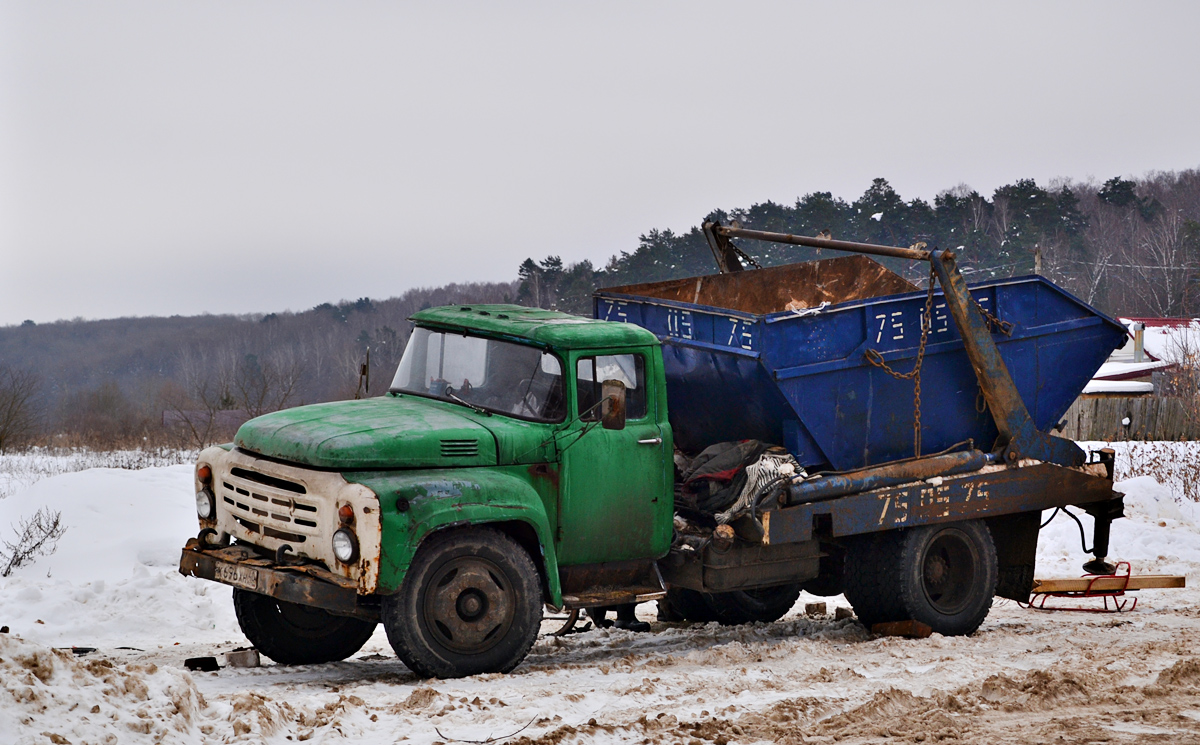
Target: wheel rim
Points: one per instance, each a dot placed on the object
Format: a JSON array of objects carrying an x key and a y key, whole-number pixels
[
  {"x": 948, "y": 571},
  {"x": 469, "y": 605}
]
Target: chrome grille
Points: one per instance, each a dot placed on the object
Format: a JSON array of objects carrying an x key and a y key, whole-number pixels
[
  {"x": 268, "y": 505},
  {"x": 267, "y": 480}
]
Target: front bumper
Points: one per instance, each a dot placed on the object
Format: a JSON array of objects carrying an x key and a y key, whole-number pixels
[{"x": 301, "y": 583}]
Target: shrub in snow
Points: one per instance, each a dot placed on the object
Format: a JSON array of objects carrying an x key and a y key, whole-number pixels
[{"x": 36, "y": 536}]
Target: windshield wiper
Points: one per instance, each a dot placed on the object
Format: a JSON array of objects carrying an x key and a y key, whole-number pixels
[{"x": 468, "y": 404}]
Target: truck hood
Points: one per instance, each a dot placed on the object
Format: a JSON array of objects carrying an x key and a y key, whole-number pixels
[{"x": 388, "y": 432}]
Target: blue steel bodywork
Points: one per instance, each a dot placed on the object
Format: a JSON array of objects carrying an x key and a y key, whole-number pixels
[{"x": 801, "y": 378}]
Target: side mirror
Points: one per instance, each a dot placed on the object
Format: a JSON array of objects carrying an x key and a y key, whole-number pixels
[{"x": 612, "y": 410}]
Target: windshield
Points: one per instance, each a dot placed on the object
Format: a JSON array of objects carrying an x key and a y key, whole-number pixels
[{"x": 495, "y": 375}]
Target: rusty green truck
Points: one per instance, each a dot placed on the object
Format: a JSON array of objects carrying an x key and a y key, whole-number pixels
[{"x": 525, "y": 458}]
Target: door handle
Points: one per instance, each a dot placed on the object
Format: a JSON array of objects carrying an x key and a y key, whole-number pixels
[{"x": 651, "y": 441}]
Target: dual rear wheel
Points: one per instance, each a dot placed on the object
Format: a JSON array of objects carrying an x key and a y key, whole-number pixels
[
  {"x": 940, "y": 575},
  {"x": 765, "y": 604}
]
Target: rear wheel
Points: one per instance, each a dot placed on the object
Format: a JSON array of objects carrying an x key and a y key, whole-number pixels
[
  {"x": 294, "y": 634},
  {"x": 830, "y": 581},
  {"x": 688, "y": 605},
  {"x": 940, "y": 575},
  {"x": 764, "y": 604},
  {"x": 471, "y": 603}
]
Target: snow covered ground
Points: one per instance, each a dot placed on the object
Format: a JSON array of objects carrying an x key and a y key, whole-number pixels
[{"x": 1025, "y": 676}]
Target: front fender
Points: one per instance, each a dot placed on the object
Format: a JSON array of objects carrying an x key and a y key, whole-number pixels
[{"x": 414, "y": 504}]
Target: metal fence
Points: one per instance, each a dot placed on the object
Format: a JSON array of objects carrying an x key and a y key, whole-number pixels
[{"x": 1130, "y": 418}]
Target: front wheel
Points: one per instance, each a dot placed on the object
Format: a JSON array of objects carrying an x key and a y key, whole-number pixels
[
  {"x": 294, "y": 634},
  {"x": 471, "y": 603},
  {"x": 940, "y": 575}
]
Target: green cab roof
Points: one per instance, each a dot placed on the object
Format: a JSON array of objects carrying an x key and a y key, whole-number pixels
[{"x": 544, "y": 327}]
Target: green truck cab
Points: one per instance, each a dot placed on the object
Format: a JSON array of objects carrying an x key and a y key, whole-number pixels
[{"x": 521, "y": 458}]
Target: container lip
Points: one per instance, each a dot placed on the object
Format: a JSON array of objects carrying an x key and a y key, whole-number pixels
[
  {"x": 784, "y": 315},
  {"x": 710, "y": 309}
]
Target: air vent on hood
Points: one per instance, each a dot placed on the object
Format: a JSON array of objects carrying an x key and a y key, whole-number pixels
[{"x": 460, "y": 448}]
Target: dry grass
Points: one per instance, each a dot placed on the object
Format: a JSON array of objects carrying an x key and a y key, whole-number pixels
[
  {"x": 1173, "y": 464},
  {"x": 22, "y": 470}
]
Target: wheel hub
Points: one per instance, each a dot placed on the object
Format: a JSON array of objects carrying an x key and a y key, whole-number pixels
[
  {"x": 936, "y": 571},
  {"x": 948, "y": 571},
  {"x": 469, "y": 605}
]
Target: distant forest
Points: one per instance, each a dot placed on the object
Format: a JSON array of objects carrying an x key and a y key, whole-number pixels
[
  {"x": 118, "y": 381},
  {"x": 1129, "y": 247}
]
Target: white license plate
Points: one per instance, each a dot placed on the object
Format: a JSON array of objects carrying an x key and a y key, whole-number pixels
[{"x": 237, "y": 575}]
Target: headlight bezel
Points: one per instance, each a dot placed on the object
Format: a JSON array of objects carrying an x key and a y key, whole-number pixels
[
  {"x": 206, "y": 501},
  {"x": 349, "y": 552}
]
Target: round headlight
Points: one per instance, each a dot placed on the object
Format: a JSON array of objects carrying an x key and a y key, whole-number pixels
[
  {"x": 206, "y": 504},
  {"x": 345, "y": 546}
]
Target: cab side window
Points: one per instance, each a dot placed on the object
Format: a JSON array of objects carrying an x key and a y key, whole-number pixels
[{"x": 591, "y": 372}]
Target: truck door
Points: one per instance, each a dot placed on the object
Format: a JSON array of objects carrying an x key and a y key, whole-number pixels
[{"x": 615, "y": 489}]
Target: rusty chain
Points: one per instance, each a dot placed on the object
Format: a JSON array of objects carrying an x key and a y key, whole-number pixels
[
  {"x": 876, "y": 359},
  {"x": 1004, "y": 327},
  {"x": 747, "y": 257}
]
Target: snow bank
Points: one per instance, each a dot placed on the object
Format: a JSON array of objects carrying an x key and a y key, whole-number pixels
[
  {"x": 49, "y": 696},
  {"x": 114, "y": 574},
  {"x": 1159, "y": 535},
  {"x": 115, "y": 520}
]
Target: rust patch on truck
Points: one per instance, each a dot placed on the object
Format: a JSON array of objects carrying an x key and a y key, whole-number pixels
[{"x": 546, "y": 471}]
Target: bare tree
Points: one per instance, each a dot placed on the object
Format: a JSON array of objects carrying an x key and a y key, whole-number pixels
[
  {"x": 18, "y": 406},
  {"x": 36, "y": 536},
  {"x": 1159, "y": 261},
  {"x": 207, "y": 390},
  {"x": 1107, "y": 231},
  {"x": 268, "y": 383}
]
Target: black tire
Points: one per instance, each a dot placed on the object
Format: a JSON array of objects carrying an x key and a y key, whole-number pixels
[
  {"x": 831, "y": 580},
  {"x": 470, "y": 604},
  {"x": 689, "y": 605},
  {"x": 940, "y": 575},
  {"x": 294, "y": 634},
  {"x": 870, "y": 577},
  {"x": 765, "y": 604}
]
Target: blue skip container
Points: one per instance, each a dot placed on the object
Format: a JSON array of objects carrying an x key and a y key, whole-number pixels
[{"x": 779, "y": 355}]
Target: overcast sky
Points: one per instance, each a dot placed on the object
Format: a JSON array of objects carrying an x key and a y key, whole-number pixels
[{"x": 162, "y": 158}]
